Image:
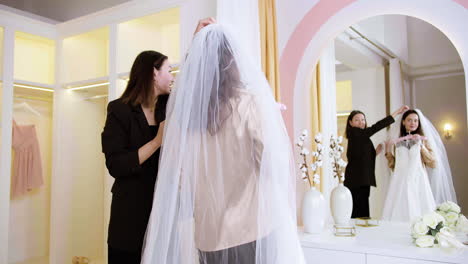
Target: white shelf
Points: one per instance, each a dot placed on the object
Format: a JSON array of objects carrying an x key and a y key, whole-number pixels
[
  {"x": 388, "y": 240},
  {"x": 86, "y": 56},
  {"x": 35, "y": 84},
  {"x": 34, "y": 58},
  {"x": 159, "y": 32},
  {"x": 123, "y": 75},
  {"x": 96, "y": 80}
]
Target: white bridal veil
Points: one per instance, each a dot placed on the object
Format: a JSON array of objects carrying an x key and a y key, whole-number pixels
[
  {"x": 440, "y": 177},
  {"x": 226, "y": 184}
]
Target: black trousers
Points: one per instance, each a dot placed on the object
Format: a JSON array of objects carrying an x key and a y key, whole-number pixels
[
  {"x": 118, "y": 256},
  {"x": 360, "y": 201},
  {"x": 242, "y": 254}
]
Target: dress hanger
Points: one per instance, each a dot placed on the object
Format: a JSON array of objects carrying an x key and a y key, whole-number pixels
[{"x": 26, "y": 106}]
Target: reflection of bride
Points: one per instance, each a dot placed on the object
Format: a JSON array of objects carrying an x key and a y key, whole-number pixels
[{"x": 421, "y": 172}]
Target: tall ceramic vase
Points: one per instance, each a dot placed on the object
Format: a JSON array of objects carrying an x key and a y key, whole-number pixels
[
  {"x": 313, "y": 211},
  {"x": 341, "y": 203}
]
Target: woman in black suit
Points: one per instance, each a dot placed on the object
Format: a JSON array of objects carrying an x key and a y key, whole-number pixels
[
  {"x": 131, "y": 141},
  {"x": 359, "y": 174}
]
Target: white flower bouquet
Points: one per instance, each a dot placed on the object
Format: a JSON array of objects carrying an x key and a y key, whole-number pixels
[
  {"x": 453, "y": 217},
  {"x": 436, "y": 228},
  {"x": 316, "y": 159},
  {"x": 338, "y": 164}
]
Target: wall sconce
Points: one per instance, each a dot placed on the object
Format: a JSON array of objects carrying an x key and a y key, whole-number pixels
[{"x": 448, "y": 130}]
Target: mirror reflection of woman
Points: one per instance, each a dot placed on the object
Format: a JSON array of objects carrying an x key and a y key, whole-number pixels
[
  {"x": 360, "y": 175},
  {"x": 416, "y": 155}
]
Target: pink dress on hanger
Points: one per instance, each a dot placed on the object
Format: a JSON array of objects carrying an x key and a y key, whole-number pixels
[{"x": 27, "y": 168}]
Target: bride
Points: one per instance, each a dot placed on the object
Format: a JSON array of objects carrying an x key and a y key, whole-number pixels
[
  {"x": 421, "y": 173},
  {"x": 226, "y": 181}
]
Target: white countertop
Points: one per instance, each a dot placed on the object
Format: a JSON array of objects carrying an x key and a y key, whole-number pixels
[{"x": 387, "y": 239}]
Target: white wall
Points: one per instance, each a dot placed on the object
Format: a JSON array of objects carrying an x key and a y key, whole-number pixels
[
  {"x": 396, "y": 36},
  {"x": 82, "y": 192},
  {"x": 373, "y": 27},
  {"x": 288, "y": 15},
  {"x": 390, "y": 31},
  {"x": 438, "y": 49},
  {"x": 443, "y": 100},
  {"x": 368, "y": 86}
]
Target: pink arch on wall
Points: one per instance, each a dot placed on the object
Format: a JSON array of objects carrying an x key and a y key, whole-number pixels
[
  {"x": 462, "y": 2},
  {"x": 297, "y": 44}
]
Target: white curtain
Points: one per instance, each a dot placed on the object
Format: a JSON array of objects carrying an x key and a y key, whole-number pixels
[
  {"x": 328, "y": 115},
  {"x": 396, "y": 85},
  {"x": 243, "y": 18}
]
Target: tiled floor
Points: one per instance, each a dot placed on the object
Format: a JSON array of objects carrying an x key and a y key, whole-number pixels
[{"x": 46, "y": 261}]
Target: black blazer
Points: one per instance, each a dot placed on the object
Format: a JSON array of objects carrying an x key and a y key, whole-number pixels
[
  {"x": 125, "y": 131},
  {"x": 361, "y": 155}
]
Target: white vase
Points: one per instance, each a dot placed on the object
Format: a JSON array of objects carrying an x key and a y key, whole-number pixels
[
  {"x": 313, "y": 211},
  {"x": 341, "y": 203}
]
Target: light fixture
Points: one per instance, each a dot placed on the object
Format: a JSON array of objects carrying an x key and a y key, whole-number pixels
[
  {"x": 33, "y": 88},
  {"x": 88, "y": 86},
  {"x": 341, "y": 114},
  {"x": 448, "y": 129}
]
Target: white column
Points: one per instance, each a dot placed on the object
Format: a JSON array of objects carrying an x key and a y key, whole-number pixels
[
  {"x": 6, "y": 136},
  {"x": 190, "y": 13},
  {"x": 242, "y": 17},
  {"x": 113, "y": 45},
  {"x": 113, "y": 94},
  {"x": 396, "y": 85},
  {"x": 60, "y": 211},
  {"x": 328, "y": 114}
]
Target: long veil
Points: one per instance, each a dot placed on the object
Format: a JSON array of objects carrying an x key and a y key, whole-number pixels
[
  {"x": 226, "y": 182},
  {"x": 440, "y": 177}
]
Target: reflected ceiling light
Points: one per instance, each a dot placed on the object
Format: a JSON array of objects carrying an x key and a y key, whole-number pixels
[
  {"x": 343, "y": 114},
  {"x": 33, "y": 88},
  {"x": 88, "y": 86}
]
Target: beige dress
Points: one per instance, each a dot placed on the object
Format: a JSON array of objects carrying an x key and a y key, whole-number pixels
[
  {"x": 27, "y": 168},
  {"x": 226, "y": 198}
]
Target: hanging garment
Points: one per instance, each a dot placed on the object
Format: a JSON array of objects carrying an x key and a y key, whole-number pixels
[{"x": 27, "y": 168}]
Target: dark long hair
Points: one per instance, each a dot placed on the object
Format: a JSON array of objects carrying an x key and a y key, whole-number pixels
[
  {"x": 350, "y": 117},
  {"x": 419, "y": 130},
  {"x": 225, "y": 88},
  {"x": 140, "y": 87}
]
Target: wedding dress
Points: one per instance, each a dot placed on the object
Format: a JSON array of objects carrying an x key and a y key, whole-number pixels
[{"x": 409, "y": 193}]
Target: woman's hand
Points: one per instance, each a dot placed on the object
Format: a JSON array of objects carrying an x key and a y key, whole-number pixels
[
  {"x": 149, "y": 148},
  {"x": 159, "y": 136},
  {"x": 379, "y": 148},
  {"x": 203, "y": 23},
  {"x": 418, "y": 137},
  {"x": 400, "y": 110},
  {"x": 388, "y": 145}
]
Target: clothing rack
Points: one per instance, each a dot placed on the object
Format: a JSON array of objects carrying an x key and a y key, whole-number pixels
[{"x": 373, "y": 43}]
